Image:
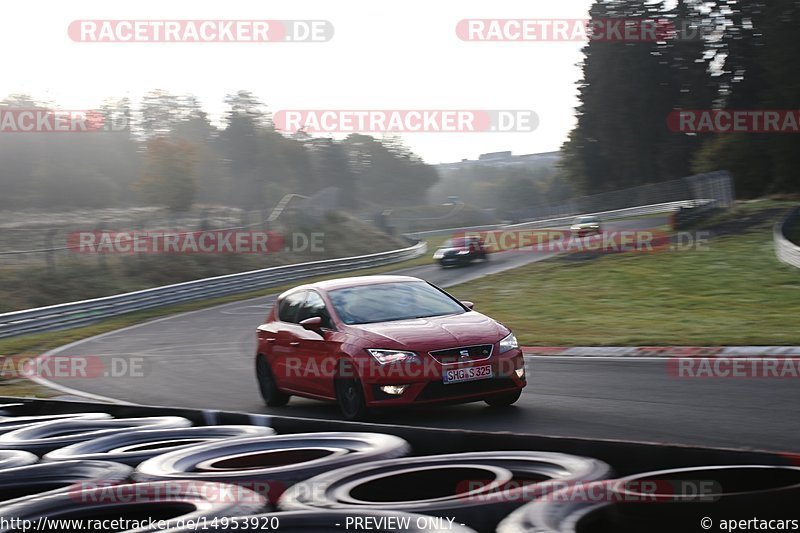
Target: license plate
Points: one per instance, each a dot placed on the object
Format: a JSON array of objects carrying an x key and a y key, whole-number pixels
[{"x": 457, "y": 375}]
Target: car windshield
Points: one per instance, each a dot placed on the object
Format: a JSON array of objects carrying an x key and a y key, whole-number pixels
[
  {"x": 387, "y": 302},
  {"x": 458, "y": 242},
  {"x": 587, "y": 220}
]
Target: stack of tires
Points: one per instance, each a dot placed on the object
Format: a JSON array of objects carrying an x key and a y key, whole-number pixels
[
  {"x": 667, "y": 501},
  {"x": 161, "y": 473}
]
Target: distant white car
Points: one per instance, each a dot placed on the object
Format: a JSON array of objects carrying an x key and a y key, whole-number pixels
[{"x": 586, "y": 225}]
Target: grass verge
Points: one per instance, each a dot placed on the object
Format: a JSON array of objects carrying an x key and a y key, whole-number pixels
[{"x": 732, "y": 291}]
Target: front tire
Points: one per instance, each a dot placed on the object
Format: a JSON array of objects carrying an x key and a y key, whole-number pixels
[
  {"x": 504, "y": 400},
  {"x": 350, "y": 394},
  {"x": 272, "y": 396}
]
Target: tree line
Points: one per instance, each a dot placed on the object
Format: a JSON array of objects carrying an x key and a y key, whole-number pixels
[
  {"x": 171, "y": 153},
  {"x": 745, "y": 57}
]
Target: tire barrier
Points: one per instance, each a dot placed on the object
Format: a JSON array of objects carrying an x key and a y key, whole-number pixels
[
  {"x": 478, "y": 488},
  {"x": 12, "y": 458},
  {"x": 134, "y": 446},
  {"x": 229, "y": 476},
  {"x": 273, "y": 463},
  {"x": 664, "y": 501},
  {"x": 19, "y": 483},
  {"x": 10, "y": 423},
  {"x": 138, "y": 507},
  {"x": 560, "y": 513},
  {"x": 331, "y": 521},
  {"x": 47, "y": 436}
]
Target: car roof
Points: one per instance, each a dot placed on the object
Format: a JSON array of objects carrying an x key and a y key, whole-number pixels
[
  {"x": 355, "y": 281},
  {"x": 463, "y": 238}
]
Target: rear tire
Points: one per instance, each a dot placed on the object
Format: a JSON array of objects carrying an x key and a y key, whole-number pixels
[
  {"x": 504, "y": 400},
  {"x": 350, "y": 394},
  {"x": 272, "y": 396}
]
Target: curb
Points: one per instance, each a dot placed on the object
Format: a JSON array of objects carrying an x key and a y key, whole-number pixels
[{"x": 662, "y": 351}]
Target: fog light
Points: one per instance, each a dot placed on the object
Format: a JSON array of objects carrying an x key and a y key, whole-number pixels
[
  {"x": 394, "y": 390},
  {"x": 520, "y": 372}
]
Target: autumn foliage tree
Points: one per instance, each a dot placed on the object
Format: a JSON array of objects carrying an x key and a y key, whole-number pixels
[{"x": 169, "y": 177}]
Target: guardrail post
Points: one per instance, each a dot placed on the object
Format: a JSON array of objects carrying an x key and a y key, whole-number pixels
[
  {"x": 101, "y": 258},
  {"x": 49, "y": 255}
]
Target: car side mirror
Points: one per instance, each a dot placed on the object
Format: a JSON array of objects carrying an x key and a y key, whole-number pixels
[
  {"x": 312, "y": 324},
  {"x": 467, "y": 304}
]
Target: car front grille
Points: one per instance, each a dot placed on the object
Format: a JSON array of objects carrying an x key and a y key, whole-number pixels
[{"x": 464, "y": 354}]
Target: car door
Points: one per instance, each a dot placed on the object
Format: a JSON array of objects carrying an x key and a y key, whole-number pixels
[
  {"x": 317, "y": 350},
  {"x": 285, "y": 343}
]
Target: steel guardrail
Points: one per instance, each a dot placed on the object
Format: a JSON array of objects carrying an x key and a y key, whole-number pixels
[
  {"x": 785, "y": 250},
  {"x": 73, "y": 314},
  {"x": 651, "y": 209},
  {"x": 80, "y": 313}
]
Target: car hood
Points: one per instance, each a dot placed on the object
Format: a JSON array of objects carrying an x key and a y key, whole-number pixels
[{"x": 432, "y": 333}]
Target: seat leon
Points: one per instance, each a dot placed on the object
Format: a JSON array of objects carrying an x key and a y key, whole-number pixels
[{"x": 382, "y": 342}]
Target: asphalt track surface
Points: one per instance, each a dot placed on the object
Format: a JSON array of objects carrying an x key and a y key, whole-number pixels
[{"x": 204, "y": 359}]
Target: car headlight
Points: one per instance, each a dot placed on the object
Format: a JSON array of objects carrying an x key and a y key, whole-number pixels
[
  {"x": 509, "y": 342},
  {"x": 438, "y": 254},
  {"x": 462, "y": 252},
  {"x": 385, "y": 357}
]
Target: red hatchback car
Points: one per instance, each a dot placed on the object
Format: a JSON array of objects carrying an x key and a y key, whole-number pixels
[{"x": 384, "y": 341}]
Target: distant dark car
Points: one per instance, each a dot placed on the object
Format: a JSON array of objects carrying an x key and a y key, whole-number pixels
[
  {"x": 460, "y": 251},
  {"x": 585, "y": 226}
]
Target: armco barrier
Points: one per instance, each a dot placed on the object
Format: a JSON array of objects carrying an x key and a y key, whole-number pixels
[
  {"x": 786, "y": 250},
  {"x": 74, "y": 314},
  {"x": 84, "y": 312},
  {"x": 652, "y": 209}
]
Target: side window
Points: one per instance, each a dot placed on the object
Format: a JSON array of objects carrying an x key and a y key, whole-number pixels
[
  {"x": 315, "y": 306},
  {"x": 291, "y": 305}
]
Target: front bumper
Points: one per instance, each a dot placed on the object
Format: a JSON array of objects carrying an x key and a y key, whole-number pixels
[
  {"x": 426, "y": 385},
  {"x": 585, "y": 232},
  {"x": 456, "y": 259}
]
